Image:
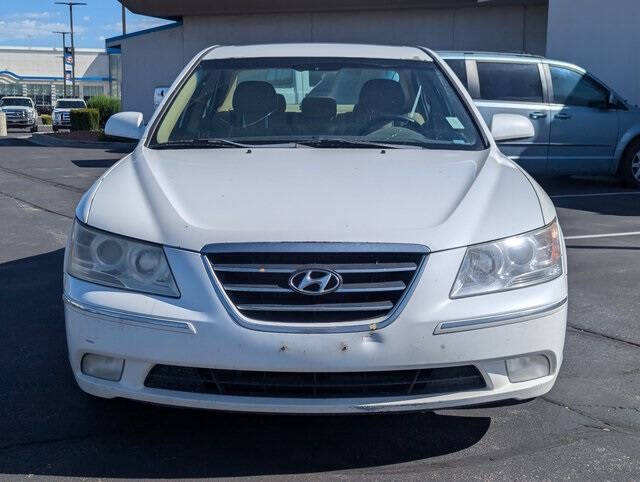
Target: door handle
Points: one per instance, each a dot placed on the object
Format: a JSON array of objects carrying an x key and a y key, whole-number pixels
[
  {"x": 562, "y": 116},
  {"x": 537, "y": 115}
]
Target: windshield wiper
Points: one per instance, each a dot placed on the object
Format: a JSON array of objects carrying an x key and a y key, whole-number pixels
[
  {"x": 329, "y": 142},
  {"x": 200, "y": 143}
]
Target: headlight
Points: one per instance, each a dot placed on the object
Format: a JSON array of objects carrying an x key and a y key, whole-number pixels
[
  {"x": 510, "y": 263},
  {"x": 112, "y": 260}
]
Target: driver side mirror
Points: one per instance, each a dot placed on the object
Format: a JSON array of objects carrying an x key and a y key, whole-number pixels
[
  {"x": 511, "y": 127},
  {"x": 128, "y": 125}
]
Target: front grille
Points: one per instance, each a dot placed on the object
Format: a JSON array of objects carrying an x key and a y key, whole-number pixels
[
  {"x": 65, "y": 116},
  {"x": 427, "y": 381},
  {"x": 374, "y": 282},
  {"x": 15, "y": 114}
]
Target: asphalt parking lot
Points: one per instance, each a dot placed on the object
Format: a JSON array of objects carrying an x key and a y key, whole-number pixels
[{"x": 587, "y": 427}]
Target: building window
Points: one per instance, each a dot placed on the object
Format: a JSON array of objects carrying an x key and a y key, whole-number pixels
[
  {"x": 510, "y": 81},
  {"x": 115, "y": 73},
  {"x": 89, "y": 91}
]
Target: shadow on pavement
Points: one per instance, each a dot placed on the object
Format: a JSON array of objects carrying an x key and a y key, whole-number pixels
[
  {"x": 49, "y": 427},
  {"x": 104, "y": 163}
]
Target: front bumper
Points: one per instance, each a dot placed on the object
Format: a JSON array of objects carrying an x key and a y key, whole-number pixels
[
  {"x": 197, "y": 331},
  {"x": 20, "y": 123}
]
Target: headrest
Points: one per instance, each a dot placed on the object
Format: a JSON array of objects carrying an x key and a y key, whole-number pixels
[
  {"x": 319, "y": 107},
  {"x": 382, "y": 96},
  {"x": 254, "y": 97},
  {"x": 281, "y": 102}
]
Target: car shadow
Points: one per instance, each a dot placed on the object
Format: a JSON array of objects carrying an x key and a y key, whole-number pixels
[
  {"x": 103, "y": 163},
  {"x": 49, "y": 427}
]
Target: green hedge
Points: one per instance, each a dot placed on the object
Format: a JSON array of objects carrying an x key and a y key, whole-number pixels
[
  {"x": 46, "y": 119},
  {"x": 107, "y": 106},
  {"x": 85, "y": 119}
]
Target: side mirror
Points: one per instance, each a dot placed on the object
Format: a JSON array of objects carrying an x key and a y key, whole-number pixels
[
  {"x": 128, "y": 125},
  {"x": 510, "y": 127}
]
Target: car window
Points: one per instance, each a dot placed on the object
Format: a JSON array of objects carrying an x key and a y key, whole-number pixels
[
  {"x": 573, "y": 88},
  {"x": 459, "y": 67},
  {"x": 6, "y": 102},
  {"x": 358, "y": 101},
  {"x": 510, "y": 81},
  {"x": 70, "y": 104}
]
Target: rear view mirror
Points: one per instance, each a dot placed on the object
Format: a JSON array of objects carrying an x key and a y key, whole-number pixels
[
  {"x": 128, "y": 125},
  {"x": 511, "y": 127}
]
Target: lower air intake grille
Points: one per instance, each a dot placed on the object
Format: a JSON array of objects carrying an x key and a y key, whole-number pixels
[
  {"x": 426, "y": 381},
  {"x": 371, "y": 281}
]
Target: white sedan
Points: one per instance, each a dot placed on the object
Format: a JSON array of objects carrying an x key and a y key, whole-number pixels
[{"x": 316, "y": 229}]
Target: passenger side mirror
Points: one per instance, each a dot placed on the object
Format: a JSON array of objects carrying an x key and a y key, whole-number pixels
[
  {"x": 128, "y": 125},
  {"x": 510, "y": 127}
]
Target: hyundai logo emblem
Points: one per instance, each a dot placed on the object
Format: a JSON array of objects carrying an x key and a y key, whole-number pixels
[{"x": 315, "y": 281}]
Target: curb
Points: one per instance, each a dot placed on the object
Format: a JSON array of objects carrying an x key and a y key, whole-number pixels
[{"x": 48, "y": 141}]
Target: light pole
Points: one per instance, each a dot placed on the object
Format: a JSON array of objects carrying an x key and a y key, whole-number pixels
[
  {"x": 64, "y": 44},
  {"x": 73, "y": 50}
]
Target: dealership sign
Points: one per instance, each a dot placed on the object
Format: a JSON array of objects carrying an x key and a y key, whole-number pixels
[{"x": 68, "y": 65}]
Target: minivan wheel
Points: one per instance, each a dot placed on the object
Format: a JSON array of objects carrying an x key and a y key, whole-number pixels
[{"x": 629, "y": 171}]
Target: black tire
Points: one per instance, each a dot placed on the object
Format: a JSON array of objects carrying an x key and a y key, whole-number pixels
[
  {"x": 34, "y": 128},
  {"x": 55, "y": 128},
  {"x": 629, "y": 170}
]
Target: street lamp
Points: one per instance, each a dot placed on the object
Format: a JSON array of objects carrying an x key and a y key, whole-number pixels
[
  {"x": 73, "y": 50},
  {"x": 64, "y": 44}
]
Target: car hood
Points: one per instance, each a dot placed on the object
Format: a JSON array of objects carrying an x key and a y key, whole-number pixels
[{"x": 191, "y": 198}]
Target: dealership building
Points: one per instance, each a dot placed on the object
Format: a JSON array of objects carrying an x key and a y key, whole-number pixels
[
  {"x": 600, "y": 36},
  {"x": 37, "y": 72}
]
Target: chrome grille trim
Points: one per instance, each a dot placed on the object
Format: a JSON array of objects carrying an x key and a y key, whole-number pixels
[
  {"x": 372, "y": 306},
  {"x": 376, "y": 290}
]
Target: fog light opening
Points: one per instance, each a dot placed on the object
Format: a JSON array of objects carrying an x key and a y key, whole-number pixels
[
  {"x": 104, "y": 367},
  {"x": 525, "y": 368}
]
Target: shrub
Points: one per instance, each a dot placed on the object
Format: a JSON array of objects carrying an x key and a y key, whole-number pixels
[
  {"x": 46, "y": 119},
  {"x": 107, "y": 106},
  {"x": 85, "y": 119}
]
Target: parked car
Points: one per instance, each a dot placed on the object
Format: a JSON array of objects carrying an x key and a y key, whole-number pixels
[
  {"x": 62, "y": 112},
  {"x": 582, "y": 126},
  {"x": 20, "y": 112},
  {"x": 255, "y": 256}
]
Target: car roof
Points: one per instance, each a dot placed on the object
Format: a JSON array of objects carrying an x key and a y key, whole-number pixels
[
  {"x": 505, "y": 57},
  {"x": 16, "y": 97},
  {"x": 69, "y": 98},
  {"x": 338, "y": 50}
]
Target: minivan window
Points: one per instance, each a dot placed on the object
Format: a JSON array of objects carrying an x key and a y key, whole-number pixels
[
  {"x": 357, "y": 103},
  {"x": 573, "y": 88},
  {"x": 510, "y": 81},
  {"x": 459, "y": 67}
]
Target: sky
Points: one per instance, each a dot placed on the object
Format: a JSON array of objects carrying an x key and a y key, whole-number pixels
[{"x": 30, "y": 23}]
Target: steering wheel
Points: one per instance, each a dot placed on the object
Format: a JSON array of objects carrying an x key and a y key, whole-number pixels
[{"x": 378, "y": 122}]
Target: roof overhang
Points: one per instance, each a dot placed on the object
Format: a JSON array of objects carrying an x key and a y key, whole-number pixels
[{"x": 171, "y": 9}]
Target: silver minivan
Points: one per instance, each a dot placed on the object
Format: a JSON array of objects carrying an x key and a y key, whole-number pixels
[{"x": 581, "y": 125}]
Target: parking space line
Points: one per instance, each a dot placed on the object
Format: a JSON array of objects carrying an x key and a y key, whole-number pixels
[
  {"x": 606, "y": 235},
  {"x": 595, "y": 194}
]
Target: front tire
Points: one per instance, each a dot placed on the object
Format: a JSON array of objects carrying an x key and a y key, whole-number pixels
[
  {"x": 55, "y": 128},
  {"x": 34, "y": 128},
  {"x": 629, "y": 170}
]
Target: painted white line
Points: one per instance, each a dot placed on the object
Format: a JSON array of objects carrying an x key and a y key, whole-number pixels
[
  {"x": 609, "y": 235},
  {"x": 594, "y": 194}
]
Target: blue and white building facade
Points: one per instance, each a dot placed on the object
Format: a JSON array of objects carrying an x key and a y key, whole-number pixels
[{"x": 37, "y": 72}]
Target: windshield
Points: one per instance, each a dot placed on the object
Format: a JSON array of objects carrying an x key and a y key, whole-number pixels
[
  {"x": 323, "y": 102},
  {"x": 15, "y": 102},
  {"x": 70, "y": 104}
]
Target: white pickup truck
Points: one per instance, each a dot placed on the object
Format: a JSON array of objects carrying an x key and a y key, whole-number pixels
[
  {"x": 61, "y": 115},
  {"x": 20, "y": 112}
]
